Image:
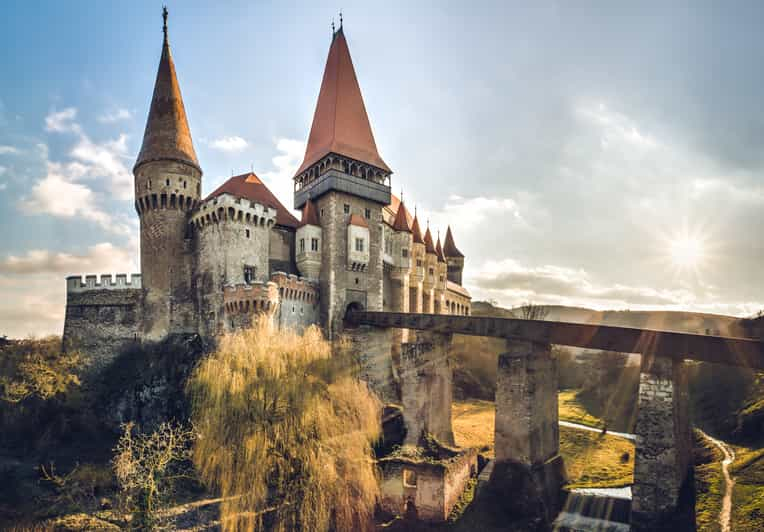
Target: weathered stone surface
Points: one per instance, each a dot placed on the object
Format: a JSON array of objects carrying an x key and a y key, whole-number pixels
[
  {"x": 426, "y": 388},
  {"x": 372, "y": 347},
  {"x": 527, "y": 429},
  {"x": 663, "y": 492}
]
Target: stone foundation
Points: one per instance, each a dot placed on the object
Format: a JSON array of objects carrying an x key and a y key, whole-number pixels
[{"x": 663, "y": 491}]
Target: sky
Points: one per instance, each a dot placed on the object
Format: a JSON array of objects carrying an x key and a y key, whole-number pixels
[{"x": 596, "y": 154}]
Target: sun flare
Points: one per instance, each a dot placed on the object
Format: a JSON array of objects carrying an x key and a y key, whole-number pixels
[{"x": 687, "y": 252}]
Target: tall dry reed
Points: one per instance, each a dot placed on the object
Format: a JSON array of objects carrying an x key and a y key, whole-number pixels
[{"x": 286, "y": 432}]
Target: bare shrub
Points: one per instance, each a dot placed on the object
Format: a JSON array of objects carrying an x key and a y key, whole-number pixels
[
  {"x": 285, "y": 432},
  {"x": 531, "y": 311},
  {"x": 147, "y": 466}
]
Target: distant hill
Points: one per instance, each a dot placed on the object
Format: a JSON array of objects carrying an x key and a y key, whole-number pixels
[{"x": 691, "y": 322}]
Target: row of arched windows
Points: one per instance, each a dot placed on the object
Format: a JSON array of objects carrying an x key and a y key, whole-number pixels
[
  {"x": 452, "y": 307},
  {"x": 298, "y": 295},
  {"x": 232, "y": 214},
  {"x": 349, "y": 167},
  {"x": 255, "y": 305},
  {"x": 162, "y": 201}
]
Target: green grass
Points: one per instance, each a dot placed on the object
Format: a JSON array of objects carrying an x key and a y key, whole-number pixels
[
  {"x": 709, "y": 486},
  {"x": 748, "y": 493},
  {"x": 571, "y": 409},
  {"x": 590, "y": 459}
]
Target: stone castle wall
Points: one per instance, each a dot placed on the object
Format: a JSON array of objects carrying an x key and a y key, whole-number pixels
[
  {"x": 102, "y": 318},
  {"x": 298, "y": 302}
]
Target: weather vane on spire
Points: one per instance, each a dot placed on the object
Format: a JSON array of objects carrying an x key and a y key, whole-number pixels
[
  {"x": 340, "y": 19},
  {"x": 333, "y": 30},
  {"x": 164, "y": 18}
]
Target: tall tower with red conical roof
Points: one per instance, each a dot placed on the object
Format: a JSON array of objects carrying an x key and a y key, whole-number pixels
[
  {"x": 349, "y": 183},
  {"x": 167, "y": 187}
]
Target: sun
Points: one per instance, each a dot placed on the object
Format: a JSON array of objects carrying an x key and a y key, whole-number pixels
[{"x": 687, "y": 252}]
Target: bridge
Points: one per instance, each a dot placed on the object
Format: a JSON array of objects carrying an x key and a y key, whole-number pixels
[{"x": 526, "y": 426}]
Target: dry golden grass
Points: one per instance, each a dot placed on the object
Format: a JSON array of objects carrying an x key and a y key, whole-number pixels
[
  {"x": 590, "y": 459},
  {"x": 285, "y": 430}
]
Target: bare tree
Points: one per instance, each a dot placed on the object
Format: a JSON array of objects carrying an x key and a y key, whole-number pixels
[{"x": 531, "y": 311}]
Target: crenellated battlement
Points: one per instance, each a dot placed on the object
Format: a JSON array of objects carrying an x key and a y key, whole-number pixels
[
  {"x": 254, "y": 297},
  {"x": 294, "y": 287},
  {"x": 231, "y": 208},
  {"x": 76, "y": 283}
]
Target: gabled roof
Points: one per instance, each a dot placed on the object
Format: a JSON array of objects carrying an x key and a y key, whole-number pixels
[
  {"x": 167, "y": 136},
  {"x": 416, "y": 231},
  {"x": 249, "y": 186},
  {"x": 428, "y": 245},
  {"x": 449, "y": 248},
  {"x": 340, "y": 123},
  {"x": 401, "y": 222},
  {"x": 439, "y": 251},
  {"x": 309, "y": 214},
  {"x": 357, "y": 219}
]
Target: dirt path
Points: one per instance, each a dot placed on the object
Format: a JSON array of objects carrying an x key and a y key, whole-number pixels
[{"x": 729, "y": 482}]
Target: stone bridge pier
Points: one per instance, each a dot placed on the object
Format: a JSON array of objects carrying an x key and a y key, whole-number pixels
[
  {"x": 426, "y": 387},
  {"x": 663, "y": 495},
  {"x": 529, "y": 468}
]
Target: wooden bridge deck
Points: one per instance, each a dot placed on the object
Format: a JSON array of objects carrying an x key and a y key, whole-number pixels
[{"x": 745, "y": 352}]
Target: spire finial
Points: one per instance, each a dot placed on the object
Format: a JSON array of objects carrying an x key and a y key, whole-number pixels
[
  {"x": 333, "y": 30},
  {"x": 164, "y": 18},
  {"x": 401, "y": 194},
  {"x": 340, "y": 19}
]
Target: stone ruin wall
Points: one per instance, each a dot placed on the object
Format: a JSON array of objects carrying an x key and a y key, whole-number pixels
[{"x": 102, "y": 318}]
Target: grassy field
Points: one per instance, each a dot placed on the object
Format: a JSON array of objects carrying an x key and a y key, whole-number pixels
[
  {"x": 571, "y": 409},
  {"x": 709, "y": 486},
  {"x": 748, "y": 493},
  {"x": 591, "y": 460}
]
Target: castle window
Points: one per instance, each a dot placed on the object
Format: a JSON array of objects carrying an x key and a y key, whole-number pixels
[
  {"x": 184, "y": 184},
  {"x": 292, "y": 309},
  {"x": 367, "y": 213},
  {"x": 359, "y": 244},
  {"x": 149, "y": 184},
  {"x": 346, "y": 208},
  {"x": 419, "y": 263},
  {"x": 314, "y": 244},
  {"x": 168, "y": 182},
  {"x": 432, "y": 272},
  {"x": 249, "y": 274},
  {"x": 322, "y": 212},
  {"x": 302, "y": 245},
  {"x": 404, "y": 253},
  {"x": 247, "y": 231}
]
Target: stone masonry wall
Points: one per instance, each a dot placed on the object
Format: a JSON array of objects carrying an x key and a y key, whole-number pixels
[
  {"x": 339, "y": 284},
  {"x": 663, "y": 469},
  {"x": 527, "y": 430},
  {"x": 298, "y": 302},
  {"x": 101, "y": 322},
  {"x": 426, "y": 388}
]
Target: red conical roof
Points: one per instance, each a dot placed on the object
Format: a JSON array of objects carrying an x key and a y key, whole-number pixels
[
  {"x": 428, "y": 245},
  {"x": 416, "y": 231},
  {"x": 449, "y": 248},
  {"x": 401, "y": 222},
  {"x": 167, "y": 136},
  {"x": 309, "y": 214},
  {"x": 439, "y": 251},
  {"x": 340, "y": 123}
]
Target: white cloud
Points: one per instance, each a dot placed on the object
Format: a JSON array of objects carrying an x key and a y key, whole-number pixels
[
  {"x": 8, "y": 150},
  {"x": 106, "y": 160},
  {"x": 33, "y": 288},
  {"x": 59, "y": 195},
  {"x": 286, "y": 163},
  {"x": 115, "y": 116},
  {"x": 104, "y": 257},
  {"x": 62, "y": 121},
  {"x": 230, "y": 144}
]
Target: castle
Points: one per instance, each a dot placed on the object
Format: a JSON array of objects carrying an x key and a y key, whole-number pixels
[{"x": 210, "y": 265}]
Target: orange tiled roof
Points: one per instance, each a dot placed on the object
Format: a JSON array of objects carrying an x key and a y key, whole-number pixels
[
  {"x": 416, "y": 231},
  {"x": 309, "y": 214},
  {"x": 167, "y": 136},
  {"x": 340, "y": 123},
  {"x": 401, "y": 222},
  {"x": 357, "y": 219},
  {"x": 428, "y": 245},
  {"x": 249, "y": 186},
  {"x": 449, "y": 248},
  {"x": 439, "y": 251}
]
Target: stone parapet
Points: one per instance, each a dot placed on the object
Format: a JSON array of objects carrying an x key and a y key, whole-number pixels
[
  {"x": 228, "y": 207},
  {"x": 75, "y": 283}
]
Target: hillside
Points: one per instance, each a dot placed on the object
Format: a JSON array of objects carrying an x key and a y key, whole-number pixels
[{"x": 692, "y": 322}]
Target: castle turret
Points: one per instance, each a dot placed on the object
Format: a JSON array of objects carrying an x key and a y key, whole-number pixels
[
  {"x": 416, "y": 279},
  {"x": 344, "y": 175},
  {"x": 401, "y": 237},
  {"x": 167, "y": 187},
  {"x": 430, "y": 273},
  {"x": 309, "y": 241},
  {"x": 454, "y": 258},
  {"x": 440, "y": 278}
]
